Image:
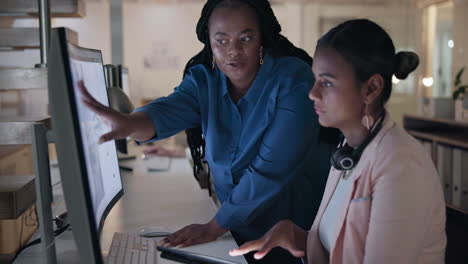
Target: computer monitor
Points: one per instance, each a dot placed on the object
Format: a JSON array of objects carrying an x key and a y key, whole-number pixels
[{"x": 89, "y": 171}]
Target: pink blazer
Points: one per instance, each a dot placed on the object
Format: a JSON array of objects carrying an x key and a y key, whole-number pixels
[{"x": 395, "y": 211}]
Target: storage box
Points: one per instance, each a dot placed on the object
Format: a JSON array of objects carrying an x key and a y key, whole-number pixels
[
  {"x": 16, "y": 160},
  {"x": 461, "y": 110},
  {"x": 15, "y": 233},
  {"x": 17, "y": 193}
]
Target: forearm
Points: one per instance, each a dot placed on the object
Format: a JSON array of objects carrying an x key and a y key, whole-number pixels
[{"x": 142, "y": 126}]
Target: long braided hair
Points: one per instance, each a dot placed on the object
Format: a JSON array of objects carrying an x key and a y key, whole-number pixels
[{"x": 273, "y": 42}]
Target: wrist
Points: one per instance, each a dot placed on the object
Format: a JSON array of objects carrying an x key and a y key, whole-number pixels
[
  {"x": 215, "y": 228},
  {"x": 300, "y": 238},
  {"x": 141, "y": 126}
]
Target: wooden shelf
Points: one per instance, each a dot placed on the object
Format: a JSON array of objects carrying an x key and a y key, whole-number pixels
[
  {"x": 411, "y": 121},
  {"x": 59, "y": 8},
  {"x": 439, "y": 131},
  {"x": 23, "y": 78},
  {"x": 17, "y": 130},
  {"x": 451, "y": 139},
  {"x": 26, "y": 38}
]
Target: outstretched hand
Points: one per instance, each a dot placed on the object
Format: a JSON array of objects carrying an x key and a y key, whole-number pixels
[
  {"x": 194, "y": 234},
  {"x": 135, "y": 125},
  {"x": 284, "y": 234},
  {"x": 118, "y": 122}
]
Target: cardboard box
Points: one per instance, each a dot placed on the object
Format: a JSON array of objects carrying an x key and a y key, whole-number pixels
[
  {"x": 15, "y": 233},
  {"x": 16, "y": 160}
]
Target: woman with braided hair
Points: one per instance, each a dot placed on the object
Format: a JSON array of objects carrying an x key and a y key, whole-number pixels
[{"x": 247, "y": 91}]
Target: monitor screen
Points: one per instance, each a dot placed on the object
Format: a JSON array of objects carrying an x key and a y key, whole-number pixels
[
  {"x": 101, "y": 159},
  {"x": 89, "y": 171}
]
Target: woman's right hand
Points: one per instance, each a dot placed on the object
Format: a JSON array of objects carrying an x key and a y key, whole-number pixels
[
  {"x": 284, "y": 234},
  {"x": 122, "y": 125}
]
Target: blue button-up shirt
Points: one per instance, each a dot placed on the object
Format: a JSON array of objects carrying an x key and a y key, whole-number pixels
[{"x": 263, "y": 151}]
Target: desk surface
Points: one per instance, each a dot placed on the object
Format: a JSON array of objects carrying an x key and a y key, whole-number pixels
[{"x": 169, "y": 199}]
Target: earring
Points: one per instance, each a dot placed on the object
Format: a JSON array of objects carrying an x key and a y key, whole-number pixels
[
  {"x": 213, "y": 64},
  {"x": 367, "y": 120},
  {"x": 261, "y": 55}
]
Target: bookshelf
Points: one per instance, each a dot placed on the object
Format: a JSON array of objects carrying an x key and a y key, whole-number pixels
[{"x": 447, "y": 142}]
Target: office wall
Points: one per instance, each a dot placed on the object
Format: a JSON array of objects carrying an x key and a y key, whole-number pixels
[
  {"x": 400, "y": 20},
  {"x": 160, "y": 38},
  {"x": 460, "y": 37}
]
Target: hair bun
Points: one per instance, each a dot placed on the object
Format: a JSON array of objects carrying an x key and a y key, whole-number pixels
[{"x": 405, "y": 63}]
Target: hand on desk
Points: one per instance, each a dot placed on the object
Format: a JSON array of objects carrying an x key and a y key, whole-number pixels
[
  {"x": 284, "y": 234},
  {"x": 194, "y": 234}
]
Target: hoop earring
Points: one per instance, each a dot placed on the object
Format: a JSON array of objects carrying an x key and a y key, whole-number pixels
[
  {"x": 213, "y": 64},
  {"x": 367, "y": 120},
  {"x": 261, "y": 55}
]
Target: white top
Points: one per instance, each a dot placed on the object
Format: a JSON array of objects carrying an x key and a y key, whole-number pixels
[{"x": 329, "y": 225}]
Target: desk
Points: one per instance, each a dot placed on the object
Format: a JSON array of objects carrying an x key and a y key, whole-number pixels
[{"x": 170, "y": 199}]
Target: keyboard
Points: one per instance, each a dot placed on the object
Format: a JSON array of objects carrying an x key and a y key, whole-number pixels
[{"x": 132, "y": 249}]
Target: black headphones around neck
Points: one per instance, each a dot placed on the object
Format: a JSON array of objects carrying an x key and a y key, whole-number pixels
[{"x": 346, "y": 157}]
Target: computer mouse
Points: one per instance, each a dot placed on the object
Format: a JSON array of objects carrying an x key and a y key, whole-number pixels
[{"x": 154, "y": 232}]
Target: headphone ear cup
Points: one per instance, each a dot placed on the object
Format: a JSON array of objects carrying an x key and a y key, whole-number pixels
[
  {"x": 343, "y": 158},
  {"x": 334, "y": 163},
  {"x": 334, "y": 159}
]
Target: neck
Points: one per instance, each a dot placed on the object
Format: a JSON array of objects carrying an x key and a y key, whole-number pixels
[
  {"x": 355, "y": 133},
  {"x": 237, "y": 89}
]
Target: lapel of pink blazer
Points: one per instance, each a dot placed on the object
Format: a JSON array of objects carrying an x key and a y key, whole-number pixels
[{"x": 315, "y": 250}]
